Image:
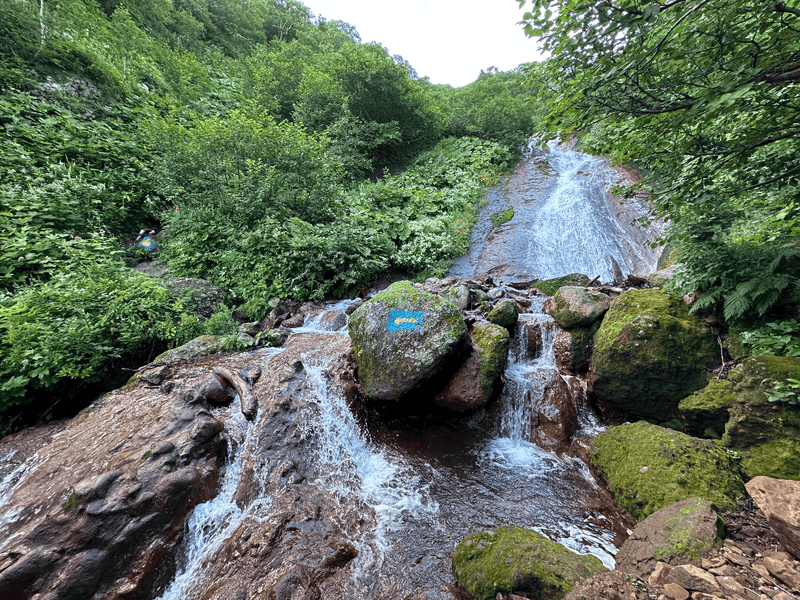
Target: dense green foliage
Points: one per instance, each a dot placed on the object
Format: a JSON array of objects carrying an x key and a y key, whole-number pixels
[
  {"x": 703, "y": 96},
  {"x": 245, "y": 133}
]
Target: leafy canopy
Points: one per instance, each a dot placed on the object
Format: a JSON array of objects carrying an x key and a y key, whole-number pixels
[{"x": 705, "y": 96}]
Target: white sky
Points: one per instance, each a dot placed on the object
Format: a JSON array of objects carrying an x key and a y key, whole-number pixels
[{"x": 448, "y": 41}]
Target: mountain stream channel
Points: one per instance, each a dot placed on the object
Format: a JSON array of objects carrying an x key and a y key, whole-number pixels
[{"x": 320, "y": 496}]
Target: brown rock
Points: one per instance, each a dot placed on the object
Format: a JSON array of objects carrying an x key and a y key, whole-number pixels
[
  {"x": 694, "y": 579},
  {"x": 333, "y": 320},
  {"x": 556, "y": 416},
  {"x": 692, "y": 521},
  {"x": 562, "y": 348},
  {"x": 779, "y": 499},
  {"x": 784, "y": 571},
  {"x": 611, "y": 585},
  {"x": 103, "y": 507},
  {"x": 675, "y": 591},
  {"x": 464, "y": 391},
  {"x": 764, "y": 573},
  {"x": 660, "y": 574},
  {"x": 294, "y": 321}
]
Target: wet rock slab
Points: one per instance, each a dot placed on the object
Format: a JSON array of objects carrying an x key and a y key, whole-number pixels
[{"x": 103, "y": 498}]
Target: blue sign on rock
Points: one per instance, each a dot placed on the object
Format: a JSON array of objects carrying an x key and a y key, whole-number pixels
[{"x": 404, "y": 319}]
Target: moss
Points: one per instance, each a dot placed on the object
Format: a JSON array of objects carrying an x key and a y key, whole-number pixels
[
  {"x": 550, "y": 286},
  {"x": 512, "y": 559},
  {"x": 650, "y": 353},
  {"x": 708, "y": 408},
  {"x": 500, "y": 218},
  {"x": 765, "y": 434},
  {"x": 649, "y": 467},
  {"x": 493, "y": 341},
  {"x": 504, "y": 313},
  {"x": 71, "y": 502},
  {"x": 733, "y": 344},
  {"x": 669, "y": 256},
  {"x": 582, "y": 345},
  {"x": 147, "y": 455}
]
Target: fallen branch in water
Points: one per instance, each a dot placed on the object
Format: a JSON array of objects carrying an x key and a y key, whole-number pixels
[{"x": 248, "y": 398}]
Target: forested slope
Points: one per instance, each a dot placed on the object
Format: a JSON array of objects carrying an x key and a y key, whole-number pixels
[{"x": 245, "y": 134}]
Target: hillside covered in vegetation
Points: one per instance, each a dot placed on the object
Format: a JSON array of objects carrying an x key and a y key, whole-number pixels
[{"x": 246, "y": 134}]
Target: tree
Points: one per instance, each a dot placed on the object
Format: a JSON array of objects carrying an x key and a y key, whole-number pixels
[{"x": 703, "y": 93}]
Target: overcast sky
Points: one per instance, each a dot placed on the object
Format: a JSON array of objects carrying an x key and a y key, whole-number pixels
[{"x": 448, "y": 41}]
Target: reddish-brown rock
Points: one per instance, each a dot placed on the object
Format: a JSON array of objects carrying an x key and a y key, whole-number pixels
[
  {"x": 555, "y": 417},
  {"x": 779, "y": 499}
]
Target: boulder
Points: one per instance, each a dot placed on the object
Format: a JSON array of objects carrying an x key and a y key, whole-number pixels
[
  {"x": 459, "y": 296},
  {"x": 473, "y": 383},
  {"x": 648, "y": 467},
  {"x": 576, "y": 306},
  {"x": 199, "y": 346},
  {"x": 680, "y": 531},
  {"x": 403, "y": 337},
  {"x": 504, "y": 313},
  {"x": 779, "y": 500},
  {"x": 707, "y": 408},
  {"x": 650, "y": 353},
  {"x": 550, "y": 286},
  {"x": 765, "y": 434},
  {"x": 332, "y": 320},
  {"x": 512, "y": 559},
  {"x": 101, "y": 507},
  {"x": 662, "y": 276}
]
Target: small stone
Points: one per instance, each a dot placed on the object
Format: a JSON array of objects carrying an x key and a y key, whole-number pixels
[
  {"x": 764, "y": 573},
  {"x": 712, "y": 563},
  {"x": 675, "y": 591},
  {"x": 643, "y": 470}
]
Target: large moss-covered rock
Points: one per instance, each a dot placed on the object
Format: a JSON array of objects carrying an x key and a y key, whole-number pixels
[
  {"x": 550, "y": 286},
  {"x": 649, "y": 354},
  {"x": 473, "y": 384},
  {"x": 648, "y": 467},
  {"x": 504, "y": 313},
  {"x": 404, "y": 336},
  {"x": 576, "y": 306},
  {"x": 512, "y": 559},
  {"x": 683, "y": 530},
  {"x": 707, "y": 409},
  {"x": 765, "y": 434}
]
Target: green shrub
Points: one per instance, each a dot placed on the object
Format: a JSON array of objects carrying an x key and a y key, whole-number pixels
[{"x": 76, "y": 325}]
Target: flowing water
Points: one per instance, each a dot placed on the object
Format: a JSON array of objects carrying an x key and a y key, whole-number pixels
[
  {"x": 565, "y": 221},
  {"x": 403, "y": 491}
]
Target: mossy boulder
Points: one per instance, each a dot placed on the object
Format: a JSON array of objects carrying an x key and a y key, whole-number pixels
[
  {"x": 765, "y": 434},
  {"x": 648, "y": 467},
  {"x": 504, "y": 313},
  {"x": 403, "y": 337},
  {"x": 680, "y": 531},
  {"x": 199, "y": 346},
  {"x": 512, "y": 559},
  {"x": 663, "y": 276},
  {"x": 459, "y": 295},
  {"x": 707, "y": 408},
  {"x": 473, "y": 384},
  {"x": 550, "y": 286},
  {"x": 576, "y": 306},
  {"x": 650, "y": 353}
]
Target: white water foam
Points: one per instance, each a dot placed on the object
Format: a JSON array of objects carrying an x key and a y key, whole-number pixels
[{"x": 352, "y": 466}]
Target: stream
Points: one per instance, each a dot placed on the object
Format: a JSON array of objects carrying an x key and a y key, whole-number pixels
[{"x": 424, "y": 487}]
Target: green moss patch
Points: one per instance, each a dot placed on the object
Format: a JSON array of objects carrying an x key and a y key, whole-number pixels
[
  {"x": 766, "y": 435},
  {"x": 708, "y": 408},
  {"x": 650, "y": 353},
  {"x": 500, "y": 218},
  {"x": 550, "y": 286},
  {"x": 512, "y": 559},
  {"x": 493, "y": 341},
  {"x": 649, "y": 467}
]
